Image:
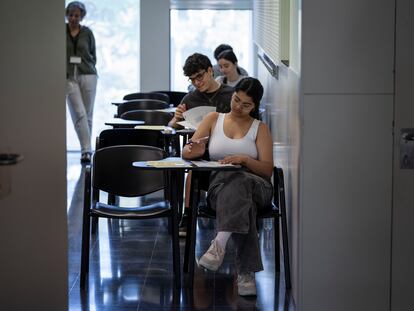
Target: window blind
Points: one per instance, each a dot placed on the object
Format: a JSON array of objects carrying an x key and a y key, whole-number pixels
[
  {"x": 266, "y": 27},
  {"x": 211, "y": 4}
]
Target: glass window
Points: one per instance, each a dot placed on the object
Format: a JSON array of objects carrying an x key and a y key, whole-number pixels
[
  {"x": 202, "y": 31},
  {"x": 115, "y": 25}
]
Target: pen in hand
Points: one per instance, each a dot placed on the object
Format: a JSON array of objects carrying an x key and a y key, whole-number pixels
[{"x": 200, "y": 140}]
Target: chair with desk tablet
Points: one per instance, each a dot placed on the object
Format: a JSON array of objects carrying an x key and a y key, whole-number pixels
[
  {"x": 141, "y": 104},
  {"x": 129, "y": 136},
  {"x": 112, "y": 172},
  {"x": 149, "y": 95},
  {"x": 175, "y": 96},
  {"x": 150, "y": 117}
]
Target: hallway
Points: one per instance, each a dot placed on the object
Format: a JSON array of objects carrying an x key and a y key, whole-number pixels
[{"x": 131, "y": 266}]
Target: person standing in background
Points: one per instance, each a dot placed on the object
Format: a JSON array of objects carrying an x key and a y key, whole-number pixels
[{"x": 81, "y": 75}]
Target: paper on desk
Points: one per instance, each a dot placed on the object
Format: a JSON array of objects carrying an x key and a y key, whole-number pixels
[
  {"x": 152, "y": 127},
  {"x": 161, "y": 163},
  {"x": 211, "y": 164},
  {"x": 194, "y": 116}
]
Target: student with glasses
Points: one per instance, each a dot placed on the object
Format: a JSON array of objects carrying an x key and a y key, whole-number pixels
[
  {"x": 237, "y": 137},
  {"x": 207, "y": 92}
]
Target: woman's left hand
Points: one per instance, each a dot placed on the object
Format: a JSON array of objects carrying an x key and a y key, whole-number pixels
[{"x": 235, "y": 159}]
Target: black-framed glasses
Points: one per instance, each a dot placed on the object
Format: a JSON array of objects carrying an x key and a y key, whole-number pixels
[{"x": 198, "y": 77}]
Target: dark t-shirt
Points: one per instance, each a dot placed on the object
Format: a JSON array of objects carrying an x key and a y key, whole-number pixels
[{"x": 219, "y": 99}]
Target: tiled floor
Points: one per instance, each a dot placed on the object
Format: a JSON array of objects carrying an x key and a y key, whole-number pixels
[{"x": 131, "y": 266}]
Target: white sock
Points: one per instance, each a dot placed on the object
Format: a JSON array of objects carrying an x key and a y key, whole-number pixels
[{"x": 222, "y": 237}]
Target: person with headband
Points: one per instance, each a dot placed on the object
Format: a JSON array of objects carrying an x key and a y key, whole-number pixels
[{"x": 81, "y": 75}]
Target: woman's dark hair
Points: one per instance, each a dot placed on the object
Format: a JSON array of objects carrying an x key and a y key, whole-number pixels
[
  {"x": 230, "y": 56},
  {"x": 254, "y": 89},
  {"x": 76, "y": 5},
  {"x": 221, "y": 48},
  {"x": 196, "y": 62}
]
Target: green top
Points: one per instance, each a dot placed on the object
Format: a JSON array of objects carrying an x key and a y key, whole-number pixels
[{"x": 83, "y": 46}]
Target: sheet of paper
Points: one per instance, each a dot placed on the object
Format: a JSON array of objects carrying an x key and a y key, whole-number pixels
[
  {"x": 169, "y": 163},
  {"x": 194, "y": 116},
  {"x": 152, "y": 127},
  {"x": 211, "y": 164}
]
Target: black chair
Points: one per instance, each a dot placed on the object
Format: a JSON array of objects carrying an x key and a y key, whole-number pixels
[
  {"x": 112, "y": 172},
  {"x": 277, "y": 211},
  {"x": 175, "y": 97},
  {"x": 141, "y": 104},
  {"x": 129, "y": 136},
  {"x": 149, "y": 95},
  {"x": 150, "y": 117}
]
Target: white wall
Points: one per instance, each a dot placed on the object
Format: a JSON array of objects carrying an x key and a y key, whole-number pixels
[
  {"x": 32, "y": 122},
  {"x": 155, "y": 45}
]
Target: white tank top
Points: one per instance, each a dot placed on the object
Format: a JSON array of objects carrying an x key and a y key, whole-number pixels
[{"x": 220, "y": 145}]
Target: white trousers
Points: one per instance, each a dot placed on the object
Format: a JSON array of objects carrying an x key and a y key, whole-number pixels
[{"x": 80, "y": 96}]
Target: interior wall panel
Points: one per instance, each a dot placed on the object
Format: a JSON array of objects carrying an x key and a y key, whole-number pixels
[
  {"x": 345, "y": 211},
  {"x": 348, "y": 46},
  {"x": 403, "y": 200},
  {"x": 33, "y": 235}
]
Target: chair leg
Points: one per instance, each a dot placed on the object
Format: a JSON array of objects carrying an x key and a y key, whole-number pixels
[
  {"x": 95, "y": 222},
  {"x": 187, "y": 241},
  {"x": 282, "y": 205},
  {"x": 195, "y": 197},
  {"x": 276, "y": 233},
  {"x": 181, "y": 180},
  {"x": 192, "y": 210},
  {"x": 175, "y": 239},
  {"x": 85, "y": 252},
  {"x": 85, "y": 230}
]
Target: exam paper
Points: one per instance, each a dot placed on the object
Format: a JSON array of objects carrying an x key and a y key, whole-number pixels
[
  {"x": 204, "y": 163},
  {"x": 194, "y": 116}
]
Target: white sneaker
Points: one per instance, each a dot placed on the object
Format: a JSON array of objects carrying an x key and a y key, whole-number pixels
[
  {"x": 213, "y": 258},
  {"x": 246, "y": 284}
]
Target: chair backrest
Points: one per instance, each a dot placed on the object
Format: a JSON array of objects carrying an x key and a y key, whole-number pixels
[
  {"x": 142, "y": 104},
  {"x": 129, "y": 136},
  {"x": 112, "y": 170},
  {"x": 175, "y": 96},
  {"x": 151, "y": 95},
  {"x": 150, "y": 117}
]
